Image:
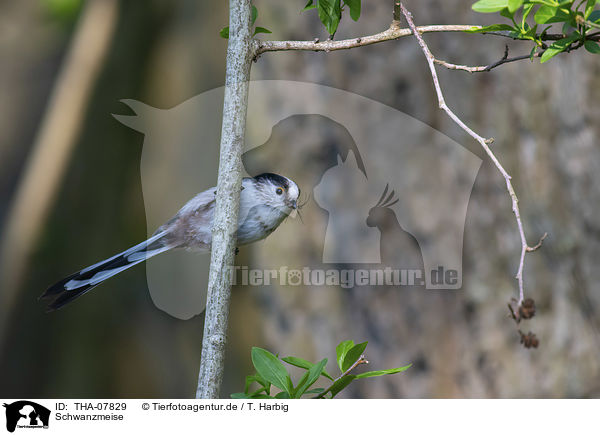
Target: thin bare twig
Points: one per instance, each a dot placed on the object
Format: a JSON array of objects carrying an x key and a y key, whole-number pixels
[
  {"x": 397, "y": 14},
  {"x": 482, "y": 141},
  {"x": 358, "y": 362},
  {"x": 487, "y": 68},
  {"x": 539, "y": 244}
]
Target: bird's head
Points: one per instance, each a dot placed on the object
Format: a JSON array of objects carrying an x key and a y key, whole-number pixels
[{"x": 278, "y": 191}]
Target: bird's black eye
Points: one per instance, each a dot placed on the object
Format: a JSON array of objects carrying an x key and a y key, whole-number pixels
[{"x": 279, "y": 191}]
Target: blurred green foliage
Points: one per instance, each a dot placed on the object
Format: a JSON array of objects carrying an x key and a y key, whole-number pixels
[
  {"x": 64, "y": 11},
  {"x": 578, "y": 19},
  {"x": 271, "y": 372},
  {"x": 330, "y": 12}
]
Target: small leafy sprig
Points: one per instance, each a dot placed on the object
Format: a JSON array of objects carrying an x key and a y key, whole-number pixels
[
  {"x": 270, "y": 372},
  {"x": 225, "y": 30},
  {"x": 579, "y": 18},
  {"x": 330, "y": 12}
]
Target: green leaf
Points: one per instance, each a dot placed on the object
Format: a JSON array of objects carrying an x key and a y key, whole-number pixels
[
  {"x": 531, "y": 32},
  {"x": 567, "y": 28},
  {"x": 282, "y": 395},
  {"x": 382, "y": 372},
  {"x": 309, "y": 5},
  {"x": 526, "y": 11},
  {"x": 224, "y": 32},
  {"x": 558, "y": 47},
  {"x": 353, "y": 355},
  {"x": 65, "y": 10},
  {"x": 310, "y": 377},
  {"x": 296, "y": 394},
  {"x": 508, "y": 14},
  {"x": 532, "y": 53},
  {"x": 592, "y": 47},
  {"x": 550, "y": 14},
  {"x": 254, "y": 15},
  {"x": 330, "y": 14},
  {"x": 340, "y": 384},
  {"x": 594, "y": 17},
  {"x": 303, "y": 364},
  {"x": 354, "y": 6},
  {"x": 258, "y": 379},
  {"x": 487, "y": 6},
  {"x": 271, "y": 369},
  {"x": 513, "y": 5},
  {"x": 492, "y": 28},
  {"x": 259, "y": 392},
  {"x": 341, "y": 350},
  {"x": 545, "y": 13},
  {"x": 261, "y": 30},
  {"x": 589, "y": 7},
  {"x": 315, "y": 391},
  {"x": 239, "y": 396}
]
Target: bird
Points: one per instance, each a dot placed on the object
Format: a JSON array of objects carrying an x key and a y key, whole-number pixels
[{"x": 266, "y": 200}]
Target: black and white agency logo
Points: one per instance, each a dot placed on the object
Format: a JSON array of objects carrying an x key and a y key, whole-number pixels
[{"x": 25, "y": 414}]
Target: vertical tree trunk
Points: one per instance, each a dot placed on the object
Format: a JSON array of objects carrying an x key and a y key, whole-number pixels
[{"x": 228, "y": 193}]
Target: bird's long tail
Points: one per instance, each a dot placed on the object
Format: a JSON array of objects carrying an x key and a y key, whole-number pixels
[{"x": 79, "y": 283}]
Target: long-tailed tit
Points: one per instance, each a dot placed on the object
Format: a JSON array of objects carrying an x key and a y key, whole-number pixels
[{"x": 265, "y": 201}]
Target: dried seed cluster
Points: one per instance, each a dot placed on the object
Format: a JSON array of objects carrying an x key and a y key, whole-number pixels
[
  {"x": 529, "y": 340},
  {"x": 524, "y": 311}
]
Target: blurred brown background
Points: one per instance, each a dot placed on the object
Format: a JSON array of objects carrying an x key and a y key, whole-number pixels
[{"x": 115, "y": 343}]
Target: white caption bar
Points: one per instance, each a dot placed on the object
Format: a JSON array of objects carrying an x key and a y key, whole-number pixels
[{"x": 299, "y": 416}]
